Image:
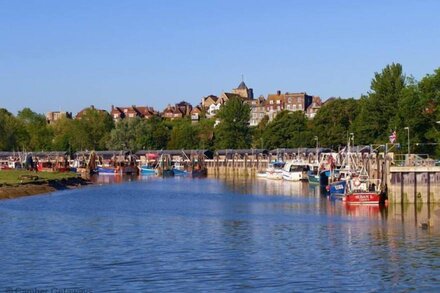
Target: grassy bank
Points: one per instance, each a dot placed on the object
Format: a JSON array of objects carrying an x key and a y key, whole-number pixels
[
  {"x": 16, "y": 183},
  {"x": 16, "y": 177}
]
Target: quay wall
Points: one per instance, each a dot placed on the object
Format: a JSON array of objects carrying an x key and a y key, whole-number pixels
[{"x": 414, "y": 184}]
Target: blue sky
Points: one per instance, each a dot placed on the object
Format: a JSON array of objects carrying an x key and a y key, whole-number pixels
[{"x": 66, "y": 55}]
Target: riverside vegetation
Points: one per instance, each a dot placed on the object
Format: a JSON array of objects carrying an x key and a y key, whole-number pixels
[
  {"x": 395, "y": 101},
  {"x": 15, "y": 183}
]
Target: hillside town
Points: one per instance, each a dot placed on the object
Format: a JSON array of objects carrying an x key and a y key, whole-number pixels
[{"x": 210, "y": 105}]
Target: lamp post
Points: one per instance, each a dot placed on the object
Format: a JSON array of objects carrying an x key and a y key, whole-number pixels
[
  {"x": 317, "y": 144},
  {"x": 407, "y": 128}
]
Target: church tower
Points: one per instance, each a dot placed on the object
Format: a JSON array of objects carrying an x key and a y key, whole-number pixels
[{"x": 244, "y": 91}]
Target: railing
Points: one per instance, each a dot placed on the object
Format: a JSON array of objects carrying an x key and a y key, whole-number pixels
[{"x": 412, "y": 160}]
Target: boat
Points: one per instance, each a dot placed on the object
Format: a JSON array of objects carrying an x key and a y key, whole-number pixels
[
  {"x": 101, "y": 170},
  {"x": 313, "y": 175},
  {"x": 179, "y": 170},
  {"x": 198, "y": 173},
  {"x": 147, "y": 170},
  {"x": 261, "y": 174},
  {"x": 275, "y": 171},
  {"x": 118, "y": 170},
  {"x": 295, "y": 171},
  {"x": 363, "y": 190}
]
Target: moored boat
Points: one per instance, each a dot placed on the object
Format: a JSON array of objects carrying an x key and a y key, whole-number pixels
[
  {"x": 363, "y": 190},
  {"x": 147, "y": 170},
  {"x": 179, "y": 169},
  {"x": 275, "y": 171},
  {"x": 295, "y": 171},
  {"x": 313, "y": 174}
]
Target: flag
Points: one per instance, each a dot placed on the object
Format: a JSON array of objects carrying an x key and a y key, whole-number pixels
[{"x": 393, "y": 137}]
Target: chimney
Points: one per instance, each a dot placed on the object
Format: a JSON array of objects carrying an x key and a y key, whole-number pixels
[
  {"x": 113, "y": 107},
  {"x": 278, "y": 92}
]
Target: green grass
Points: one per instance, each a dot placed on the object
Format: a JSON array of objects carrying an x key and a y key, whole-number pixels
[{"x": 14, "y": 177}]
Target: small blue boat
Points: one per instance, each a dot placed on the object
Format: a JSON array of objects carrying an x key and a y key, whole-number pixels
[
  {"x": 338, "y": 189},
  {"x": 147, "y": 170},
  {"x": 106, "y": 170},
  {"x": 178, "y": 172}
]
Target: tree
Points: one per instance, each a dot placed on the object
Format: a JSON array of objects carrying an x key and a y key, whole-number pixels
[
  {"x": 288, "y": 129},
  {"x": 334, "y": 121},
  {"x": 65, "y": 135},
  {"x": 126, "y": 135},
  {"x": 233, "y": 130},
  {"x": 94, "y": 129},
  {"x": 38, "y": 135},
  {"x": 11, "y": 131},
  {"x": 257, "y": 132},
  {"x": 154, "y": 134},
  {"x": 427, "y": 128},
  {"x": 373, "y": 123},
  {"x": 183, "y": 136},
  {"x": 205, "y": 133}
]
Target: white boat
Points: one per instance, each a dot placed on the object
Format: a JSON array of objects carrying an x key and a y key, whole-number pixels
[
  {"x": 262, "y": 174},
  {"x": 275, "y": 171},
  {"x": 295, "y": 171}
]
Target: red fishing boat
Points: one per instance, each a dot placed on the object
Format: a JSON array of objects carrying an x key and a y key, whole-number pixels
[{"x": 363, "y": 190}]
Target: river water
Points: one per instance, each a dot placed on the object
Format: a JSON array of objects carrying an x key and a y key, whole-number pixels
[{"x": 183, "y": 234}]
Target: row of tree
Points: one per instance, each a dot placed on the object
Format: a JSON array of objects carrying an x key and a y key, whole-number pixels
[{"x": 394, "y": 103}]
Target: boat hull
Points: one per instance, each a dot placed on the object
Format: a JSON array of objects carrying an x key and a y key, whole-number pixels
[
  {"x": 363, "y": 198},
  {"x": 144, "y": 170},
  {"x": 293, "y": 176},
  {"x": 313, "y": 179},
  {"x": 338, "y": 189},
  {"x": 274, "y": 175},
  {"x": 199, "y": 173},
  {"x": 178, "y": 172}
]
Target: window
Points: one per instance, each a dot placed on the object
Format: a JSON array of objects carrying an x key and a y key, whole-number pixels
[
  {"x": 293, "y": 107},
  {"x": 271, "y": 101},
  {"x": 278, "y": 101},
  {"x": 300, "y": 106},
  {"x": 290, "y": 100}
]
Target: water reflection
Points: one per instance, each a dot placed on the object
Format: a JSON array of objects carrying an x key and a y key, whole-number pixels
[
  {"x": 148, "y": 233},
  {"x": 411, "y": 214}
]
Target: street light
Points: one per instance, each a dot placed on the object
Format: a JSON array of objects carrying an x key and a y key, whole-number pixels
[
  {"x": 407, "y": 128},
  {"x": 316, "y": 138}
]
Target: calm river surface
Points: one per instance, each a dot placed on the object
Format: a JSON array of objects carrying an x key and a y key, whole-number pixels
[{"x": 180, "y": 234}]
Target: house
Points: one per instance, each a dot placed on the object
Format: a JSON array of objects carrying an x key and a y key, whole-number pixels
[
  {"x": 225, "y": 97},
  {"x": 274, "y": 104},
  {"x": 51, "y": 117},
  {"x": 147, "y": 112},
  {"x": 119, "y": 113},
  {"x": 196, "y": 112},
  {"x": 297, "y": 101},
  {"x": 81, "y": 113},
  {"x": 314, "y": 107},
  {"x": 208, "y": 101},
  {"x": 258, "y": 110},
  {"x": 185, "y": 108},
  {"x": 172, "y": 113}
]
